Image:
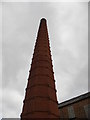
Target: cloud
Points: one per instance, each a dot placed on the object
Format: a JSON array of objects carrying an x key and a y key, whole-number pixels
[
  {"x": 70, "y": 54},
  {"x": 12, "y": 103}
]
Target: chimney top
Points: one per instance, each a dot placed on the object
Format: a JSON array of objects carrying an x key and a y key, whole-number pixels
[{"x": 43, "y": 19}]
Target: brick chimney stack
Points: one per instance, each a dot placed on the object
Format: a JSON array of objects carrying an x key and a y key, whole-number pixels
[{"x": 40, "y": 99}]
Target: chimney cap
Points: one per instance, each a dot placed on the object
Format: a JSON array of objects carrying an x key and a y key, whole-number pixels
[{"x": 43, "y": 19}]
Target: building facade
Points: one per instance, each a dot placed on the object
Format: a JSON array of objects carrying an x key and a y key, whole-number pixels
[{"x": 76, "y": 108}]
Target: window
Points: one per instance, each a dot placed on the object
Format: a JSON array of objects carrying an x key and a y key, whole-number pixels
[
  {"x": 87, "y": 110},
  {"x": 71, "y": 112}
]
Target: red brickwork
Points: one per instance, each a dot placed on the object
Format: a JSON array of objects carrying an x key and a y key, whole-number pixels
[
  {"x": 78, "y": 107},
  {"x": 40, "y": 99}
]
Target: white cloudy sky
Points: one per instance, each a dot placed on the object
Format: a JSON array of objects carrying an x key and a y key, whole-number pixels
[{"x": 68, "y": 33}]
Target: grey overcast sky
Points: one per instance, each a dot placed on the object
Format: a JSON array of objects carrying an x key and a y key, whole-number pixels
[{"x": 68, "y": 33}]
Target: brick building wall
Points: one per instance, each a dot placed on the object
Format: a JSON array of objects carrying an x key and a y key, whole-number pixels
[{"x": 77, "y": 107}]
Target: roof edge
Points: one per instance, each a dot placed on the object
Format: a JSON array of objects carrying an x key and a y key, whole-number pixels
[{"x": 75, "y": 99}]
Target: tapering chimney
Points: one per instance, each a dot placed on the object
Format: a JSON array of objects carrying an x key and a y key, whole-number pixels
[{"x": 40, "y": 99}]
